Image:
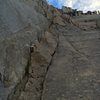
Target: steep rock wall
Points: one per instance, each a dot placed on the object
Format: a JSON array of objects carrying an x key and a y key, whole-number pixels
[{"x": 22, "y": 24}]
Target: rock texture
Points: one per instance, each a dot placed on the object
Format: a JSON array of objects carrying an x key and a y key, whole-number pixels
[
  {"x": 74, "y": 73},
  {"x": 98, "y": 23},
  {"x": 47, "y": 55},
  {"x": 22, "y": 23},
  {"x": 75, "y": 12}
]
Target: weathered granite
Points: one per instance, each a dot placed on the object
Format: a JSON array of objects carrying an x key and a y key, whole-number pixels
[
  {"x": 20, "y": 24},
  {"x": 75, "y": 70},
  {"x": 45, "y": 55}
]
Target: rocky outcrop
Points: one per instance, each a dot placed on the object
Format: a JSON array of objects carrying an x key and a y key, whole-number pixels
[
  {"x": 27, "y": 45},
  {"x": 22, "y": 23},
  {"x": 30, "y": 32},
  {"x": 74, "y": 74},
  {"x": 66, "y": 10},
  {"x": 75, "y": 12},
  {"x": 31, "y": 85}
]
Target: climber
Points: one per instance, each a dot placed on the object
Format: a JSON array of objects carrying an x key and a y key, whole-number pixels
[{"x": 31, "y": 47}]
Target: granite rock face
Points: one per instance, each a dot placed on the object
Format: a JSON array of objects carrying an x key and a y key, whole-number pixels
[
  {"x": 22, "y": 23},
  {"x": 27, "y": 44},
  {"x": 75, "y": 70},
  {"x": 38, "y": 53}
]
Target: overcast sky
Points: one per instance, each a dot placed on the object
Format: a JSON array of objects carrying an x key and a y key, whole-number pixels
[{"x": 84, "y": 5}]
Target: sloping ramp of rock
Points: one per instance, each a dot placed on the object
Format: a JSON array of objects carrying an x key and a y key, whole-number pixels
[{"x": 75, "y": 71}]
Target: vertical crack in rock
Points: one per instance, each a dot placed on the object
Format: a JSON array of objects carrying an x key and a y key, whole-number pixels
[
  {"x": 40, "y": 59},
  {"x": 23, "y": 72},
  {"x": 48, "y": 68}
]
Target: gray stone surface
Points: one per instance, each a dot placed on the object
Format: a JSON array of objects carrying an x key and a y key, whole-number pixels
[
  {"x": 20, "y": 24},
  {"x": 43, "y": 56},
  {"x": 75, "y": 70},
  {"x": 98, "y": 23}
]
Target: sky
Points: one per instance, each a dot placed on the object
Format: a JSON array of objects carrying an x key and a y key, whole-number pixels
[{"x": 85, "y": 5}]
